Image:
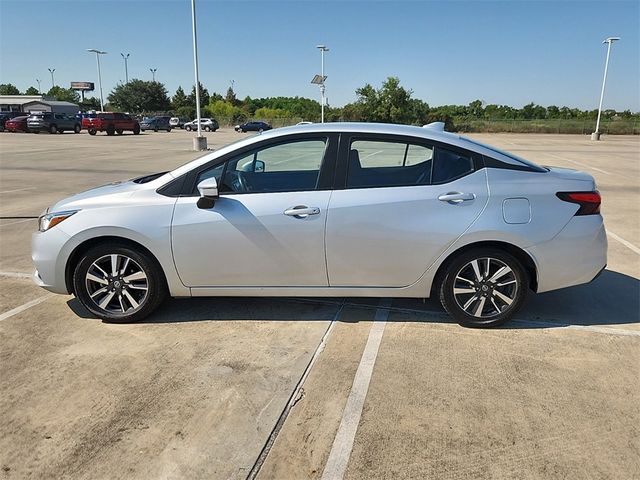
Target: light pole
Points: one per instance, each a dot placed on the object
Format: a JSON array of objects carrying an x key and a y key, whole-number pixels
[
  {"x": 98, "y": 53},
  {"x": 199, "y": 142},
  {"x": 596, "y": 135},
  {"x": 322, "y": 49},
  {"x": 126, "y": 70},
  {"x": 153, "y": 72},
  {"x": 39, "y": 89},
  {"x": 53, "y": 83}
]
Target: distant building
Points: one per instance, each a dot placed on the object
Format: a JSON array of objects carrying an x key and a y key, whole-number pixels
[
  {"x": 14, "y": 103},
  {"x": 35, "y": 103},
  {"x": 51, "y": 106}
]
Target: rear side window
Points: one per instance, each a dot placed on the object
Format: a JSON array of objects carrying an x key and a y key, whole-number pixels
[
  {"x": 375, "y": 163},
  {"x": 449, "y": 165}
]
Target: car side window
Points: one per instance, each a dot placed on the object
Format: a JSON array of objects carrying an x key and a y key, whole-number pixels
[
  {"x": 449, "y": 165},
  {"x": 293, "y": 166},
  {"x": 374, "y": 163}
]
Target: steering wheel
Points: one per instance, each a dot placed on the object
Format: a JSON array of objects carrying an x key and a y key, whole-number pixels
[{"x": 237, "y": 182}]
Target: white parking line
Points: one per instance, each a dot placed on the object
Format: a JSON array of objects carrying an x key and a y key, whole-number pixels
[
  {"x": 336, "y": 465},
  {"x": 24, "y": 307},
  {"x": 624, "y": 242},
  {"x": 580, "y": 164},
  {"x": 589, "y": 328},
  {"x": 15, "y": 274},
  {"x": 18, "y": 221},
  {"x": 17, "y": 190}
]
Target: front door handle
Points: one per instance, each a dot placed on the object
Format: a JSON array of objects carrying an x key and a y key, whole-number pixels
[
  {"x": 455, "y": 198},
  {"x": 301, "y": 211}
]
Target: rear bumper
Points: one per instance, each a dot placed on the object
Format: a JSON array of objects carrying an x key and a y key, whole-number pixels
[{"x": 575, "y": 256}]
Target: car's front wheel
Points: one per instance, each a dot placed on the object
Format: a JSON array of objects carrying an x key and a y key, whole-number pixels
[
  {"x": 119, "y": 284},
  {"x": 483, "y": 287},
  {"x": 188, "y": 128},
  {"x": 207, "y": 128}
]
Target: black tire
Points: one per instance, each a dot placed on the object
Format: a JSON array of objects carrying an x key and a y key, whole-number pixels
[
  {"x": 156, "y": 285},
  {"x": 53, "y": 129},
  {"x": 119, "y": 131},
  {"x": 168, "y": 129},
  {"x": 155, "y": 129},
  {"x": 484, "y": 294},
  {"x": 207, "y": 128},
  {"x": 136, "y": 129},
  {"x": 111, "y": 130},
  {"x": 61, "y": 130},
  {"x": 92, "y": 131},
  {"x": 77, "y": 129},
  {"x": 188, "y": 128}
]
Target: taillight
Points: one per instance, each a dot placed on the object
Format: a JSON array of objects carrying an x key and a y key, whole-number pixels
[{"x": 589, "y": 201}]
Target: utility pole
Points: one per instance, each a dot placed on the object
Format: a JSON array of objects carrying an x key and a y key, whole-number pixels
[
  {"x": 126, "y": 70},
  {"x": 596, "y": 135}
]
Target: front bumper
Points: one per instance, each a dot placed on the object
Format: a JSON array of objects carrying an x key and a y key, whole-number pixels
[{"x": 50, "y": 251}]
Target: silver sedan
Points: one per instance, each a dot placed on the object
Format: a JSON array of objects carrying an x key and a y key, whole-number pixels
[{"x": 342, "y": 209}]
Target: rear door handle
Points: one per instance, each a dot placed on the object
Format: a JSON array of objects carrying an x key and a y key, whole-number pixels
[
  {"x": 456, "y": 197},
  {"x": 302, "y": 211}
]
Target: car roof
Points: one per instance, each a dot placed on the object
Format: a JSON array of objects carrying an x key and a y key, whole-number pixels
[{"x": 426, "y": 133}]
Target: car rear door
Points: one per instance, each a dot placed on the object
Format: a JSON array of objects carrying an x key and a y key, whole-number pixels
[
  {"x": 267, "y": 227},
  {"x": 399, "y": 204}
]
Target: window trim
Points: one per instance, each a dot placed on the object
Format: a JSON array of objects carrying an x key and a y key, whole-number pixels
[
  {"x": 347, "y": 138},
  {"x": 325, "y": 175}
]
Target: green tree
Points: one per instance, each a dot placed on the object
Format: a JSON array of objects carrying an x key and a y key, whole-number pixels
[
  {"x": 204, "y": 96},
  {"x": 230, "y": 97},
  {"x": 63, "y": 94},
  {"x": 32, "y": 91},
  {"x": 391, "y": 103},
  {"x": 90, "y": 103},
  {"x": 9, "y": 89},
  {"x": 140, "y": 96},
  {"x": 179, "y": 99}
]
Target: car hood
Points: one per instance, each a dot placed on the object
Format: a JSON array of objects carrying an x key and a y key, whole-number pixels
[{"x": 104, "y": 195}]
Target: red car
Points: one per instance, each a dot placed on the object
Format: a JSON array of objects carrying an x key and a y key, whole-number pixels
[
  {"x": 112, "y": 123},
  {"x": 17, "y": 124}
]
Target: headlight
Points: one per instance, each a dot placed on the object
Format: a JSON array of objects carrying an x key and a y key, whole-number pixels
[{"x": 50, "y": 220}]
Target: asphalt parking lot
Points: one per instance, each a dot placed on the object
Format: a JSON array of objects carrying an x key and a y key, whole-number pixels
[{"x": 288, "y": 388}]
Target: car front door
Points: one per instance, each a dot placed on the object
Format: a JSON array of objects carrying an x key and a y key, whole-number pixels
[
  {"x": 403, "y": 202},
  {"x": 266, "y": 229}
]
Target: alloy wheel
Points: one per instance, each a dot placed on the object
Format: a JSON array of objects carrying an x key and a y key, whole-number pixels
[
  {"x": 117, "y": 284},
  {"x": 485, "y": 287}
]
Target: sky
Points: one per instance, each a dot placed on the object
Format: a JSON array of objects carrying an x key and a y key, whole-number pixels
[{"x": 447, "y": 52}]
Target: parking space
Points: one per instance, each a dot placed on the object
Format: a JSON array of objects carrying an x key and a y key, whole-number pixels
[{"x": 294, "y": 388}]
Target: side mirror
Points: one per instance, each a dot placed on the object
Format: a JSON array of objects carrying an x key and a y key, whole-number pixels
[
  {"x": 208, "y": 189},
  {"x": 259, "y": 166}
]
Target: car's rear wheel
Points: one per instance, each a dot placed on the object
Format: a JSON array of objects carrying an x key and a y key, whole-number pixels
[
  {"x": 92, "y": 131},
  {"x": 207, "y": 128},
  {"x": 119, "y": 284},
  {"x": 61, "y": 130},
  {"x": 483, "y": 287},
  {"x": 155, "y": 129},
  {"x": 168, "y": 129},
  {"x": 136, "y": 130},
  {"x": 77, "y": 129},
  {"x": 53, "y": 129},
  {"x": 119, "y": 131},
  {"x": 188, "y": 128},
  {"x": 111, "y": 130}
]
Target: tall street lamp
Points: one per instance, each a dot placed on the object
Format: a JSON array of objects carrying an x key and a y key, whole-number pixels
[
  {"x": 609, "y": 41},
  {"x": 199, "y": 141},
  {"x": 53, "y": 83},
  {"x": 39, "y": 89},
  {"x": 98, "y": 53},
  {"x": 126, "y": 70},
  {"x": 322, "y": 49},
  {"x": 153, "y": 72}
]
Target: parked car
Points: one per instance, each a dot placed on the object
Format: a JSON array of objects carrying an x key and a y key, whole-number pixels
[
  {"x": 111, "y": 122},
  {"x": 381, "y": 210},
  {"x": 178, "y": 122},
  {"x": 53, "y": 123},
  {"x": 206, "y": 124},
  {"x": 17, "y": 124},
  {"x": 4, "y": 116},
  {"x": 253, "y": 127},
  {"x": 155, "y": 124}
]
